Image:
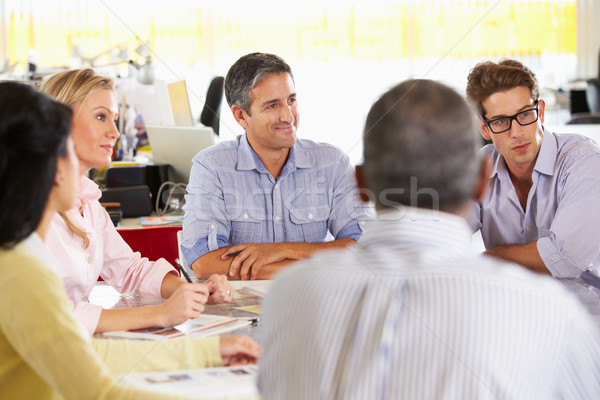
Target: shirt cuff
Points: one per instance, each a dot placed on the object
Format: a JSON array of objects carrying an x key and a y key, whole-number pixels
[
  {"x": 151, "y": 285},
  {"x": 88, "y": 316},
  {"x": 200, "y": 248},
  {"x": 350, "y": 232},
  {"x": 558, "y": 265}
]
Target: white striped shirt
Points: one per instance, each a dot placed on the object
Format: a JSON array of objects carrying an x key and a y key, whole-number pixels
[{"x": 412, "y": 313}]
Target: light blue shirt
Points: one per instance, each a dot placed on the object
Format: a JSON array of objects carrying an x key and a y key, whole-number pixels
[
  {"x": 412, "y": 313},
  {"x": 563, "y": 206},
  {"x": 233, "y": 199}
]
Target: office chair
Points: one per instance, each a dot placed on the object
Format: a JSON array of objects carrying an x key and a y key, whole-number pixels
[
  {"x": 592, "y": 94},
  {"x": 212, "y": 106}
]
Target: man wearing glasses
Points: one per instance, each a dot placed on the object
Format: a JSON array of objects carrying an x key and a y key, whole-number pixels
[{"x": 542, "y": 207}]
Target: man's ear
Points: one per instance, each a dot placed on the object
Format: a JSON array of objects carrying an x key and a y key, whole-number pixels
[
  {"x": 485, "y": 131},
  {"x": 240, "y": 116},
  {"x": 483, "y": 178},
  {"x": 361, "y": 184},
  {"x": 541, "y": 110}
]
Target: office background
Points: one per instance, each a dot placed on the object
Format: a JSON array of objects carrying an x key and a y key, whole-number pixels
[{"x": 344, "y": 53}]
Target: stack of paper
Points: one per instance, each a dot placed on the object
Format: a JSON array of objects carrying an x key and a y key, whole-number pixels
[
  {"x": 258, "y": 288},
  {"x": 220, "y": 382},
  {"x": 164, "y": 220},
  {"x": 205, "y": 325}
]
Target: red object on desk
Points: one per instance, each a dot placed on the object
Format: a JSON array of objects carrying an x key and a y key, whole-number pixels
[{"x": 153, "y": 242}]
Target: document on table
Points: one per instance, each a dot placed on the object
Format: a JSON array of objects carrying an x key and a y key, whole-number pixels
[
  {"x": 258, "y": 288},
  {"x": 205, "y": 325},
  {"x": 219, "y": 382}
]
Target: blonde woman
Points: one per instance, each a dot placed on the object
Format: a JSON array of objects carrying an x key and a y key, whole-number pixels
[
  {"x": 45, "y": 354},
  {"x": 84, "y": 239}
]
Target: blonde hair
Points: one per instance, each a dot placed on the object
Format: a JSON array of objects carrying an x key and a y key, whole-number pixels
[{"x": 72, "y": 88}]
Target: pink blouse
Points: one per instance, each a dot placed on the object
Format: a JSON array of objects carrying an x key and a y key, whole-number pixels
[{"x": 108, "y": 256}]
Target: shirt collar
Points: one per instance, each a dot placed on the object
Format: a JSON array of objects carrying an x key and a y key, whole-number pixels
[
  {"x": 435, "y": 234},
  {"x": 498, "y": 165},
  {"x": 545, "y": 160},
  {"x": 248, "y": 159},
  {"x": 87, "y": 191},
  {"x": 37, "y": 246},
  {"x": 547, "y": 155}
]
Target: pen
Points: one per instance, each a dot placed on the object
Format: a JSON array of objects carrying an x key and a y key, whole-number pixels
[
  {"x": 235, "y": 253},
  {"x": 183, "y": 271}
]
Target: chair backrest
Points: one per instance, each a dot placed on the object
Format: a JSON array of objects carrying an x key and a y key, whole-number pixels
[
  {"x": 153, "y": 242},
  {"x": 212, "y": 106},
  {"x": 592, "y": 94},
  {"x": 181, "y": 257}
]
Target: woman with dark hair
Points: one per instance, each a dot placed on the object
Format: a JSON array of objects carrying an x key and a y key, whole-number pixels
[{"x": 44, "y": 353}]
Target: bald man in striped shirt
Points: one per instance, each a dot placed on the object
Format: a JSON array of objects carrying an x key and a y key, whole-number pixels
[{"x": 412, "y": 312}]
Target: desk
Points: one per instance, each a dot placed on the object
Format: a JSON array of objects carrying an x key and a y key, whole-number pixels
[{"x": 205, "y": 383}]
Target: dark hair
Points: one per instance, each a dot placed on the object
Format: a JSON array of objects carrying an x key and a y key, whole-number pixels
[
  {"x": 420, "y": 147},
  {"x": 488, "y": 77},
  {"x": 247, "y": 72},
  {"x": 33, "y": 133}
]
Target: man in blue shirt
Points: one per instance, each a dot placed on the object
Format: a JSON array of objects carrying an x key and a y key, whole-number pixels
[
  {"x": 267, "y": 195},
  {"x": 541, "y": 207}
]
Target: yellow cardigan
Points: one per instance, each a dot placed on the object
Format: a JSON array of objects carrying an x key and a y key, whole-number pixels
[{"x": 44, "y": 354}]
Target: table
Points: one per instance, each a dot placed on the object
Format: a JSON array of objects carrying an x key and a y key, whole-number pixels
[
  {"x": 106, "y": 296},
  {"x": 205, "y": 382}
]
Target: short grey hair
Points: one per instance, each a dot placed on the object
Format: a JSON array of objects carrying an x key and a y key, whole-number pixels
[
  {"x": 420, "y": 147},
  {"x": 247, "y": 72}
]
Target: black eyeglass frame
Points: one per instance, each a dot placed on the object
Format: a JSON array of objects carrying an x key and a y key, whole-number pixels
[{"x": 514, "y": 117}]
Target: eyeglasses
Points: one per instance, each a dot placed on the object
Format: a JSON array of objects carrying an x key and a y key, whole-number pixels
[{"x": 523, "y": 118}]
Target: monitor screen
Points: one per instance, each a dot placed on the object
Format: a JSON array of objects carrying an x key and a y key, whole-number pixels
[{"x": 176, "y": 146}]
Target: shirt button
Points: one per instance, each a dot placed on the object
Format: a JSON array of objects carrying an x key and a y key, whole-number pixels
[
  {"x": 310, "y": 216},
  {"x": 528, "y": 229},
  {"x": 212, "y": 226},
  {"x": 277, "y": 219},
  {"x": 245, "y": 216},
  {"x": 90, "y": 260}
]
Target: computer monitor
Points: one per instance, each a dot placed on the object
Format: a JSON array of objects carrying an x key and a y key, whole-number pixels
[
  {"x": 173, "y": 103},
  {"x": 180, "y": 104},
  {"x": 176, "y": 146}
]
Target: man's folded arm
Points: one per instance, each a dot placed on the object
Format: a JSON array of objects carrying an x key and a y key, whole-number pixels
[{"x": 211, "y": 263}]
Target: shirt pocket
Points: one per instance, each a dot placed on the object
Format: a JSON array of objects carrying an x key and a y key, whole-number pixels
[
  {"x": 246, "y": 225},
  {"x": 311, "y": 222}
]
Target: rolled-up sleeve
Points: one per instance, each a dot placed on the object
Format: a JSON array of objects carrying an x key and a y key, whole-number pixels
[
  {"x": 572, "y": 244},
  {"x": 206, "y": 224},
  {"x": 88, "y": 315},
  {"x": 347, "y": 211}
]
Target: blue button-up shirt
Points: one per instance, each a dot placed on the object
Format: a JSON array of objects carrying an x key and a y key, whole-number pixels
[
  {"x": 233, "y": 199},
  {"x": 563, "y": 206}
]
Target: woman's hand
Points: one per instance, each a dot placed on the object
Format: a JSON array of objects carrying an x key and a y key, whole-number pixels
[
  {"x": 186, "y": 302},
  {"x": 239, "y": 350},
  {"x": 220, "y": 289}
]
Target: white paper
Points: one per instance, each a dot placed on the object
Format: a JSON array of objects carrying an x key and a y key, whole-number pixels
[
  {"x": 206, "y": 382},
  {"x": 205, "y": 325}
]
